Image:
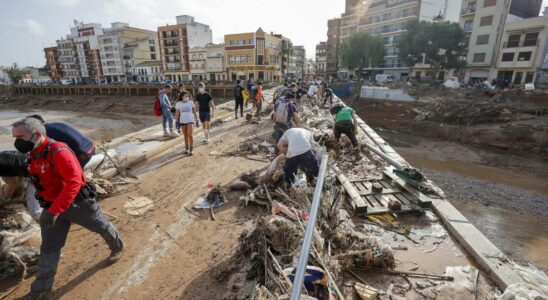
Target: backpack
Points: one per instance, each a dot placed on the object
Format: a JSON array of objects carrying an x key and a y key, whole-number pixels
[
  {"x": 237, "y": 92},
  {"x": 157, "y": 105},
  {"x": 281, "y": 110}
]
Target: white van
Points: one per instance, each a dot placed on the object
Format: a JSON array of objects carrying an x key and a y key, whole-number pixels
[{"x": 66, "y": 81}]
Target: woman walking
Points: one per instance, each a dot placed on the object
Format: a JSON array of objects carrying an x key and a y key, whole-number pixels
[{"x": 185, "y": 113}]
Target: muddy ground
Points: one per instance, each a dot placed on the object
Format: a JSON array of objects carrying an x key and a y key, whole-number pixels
[
  {"x": 507, "y": 122},
  {"x": 504, "y": 195}
]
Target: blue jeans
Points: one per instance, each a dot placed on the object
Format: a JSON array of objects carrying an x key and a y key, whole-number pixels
[{"x": 167, "y": 117}]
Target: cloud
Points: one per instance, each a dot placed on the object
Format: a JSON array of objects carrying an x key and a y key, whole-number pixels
[
  {"x": 26, "y": 26},
  {"x": 59, "y": 3}
]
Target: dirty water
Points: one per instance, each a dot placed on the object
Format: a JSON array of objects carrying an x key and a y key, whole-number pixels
[
  {"x": 506, "y": 177},
  {"x": 520, "y": 236},
  {"x": 99, "y": 127}
]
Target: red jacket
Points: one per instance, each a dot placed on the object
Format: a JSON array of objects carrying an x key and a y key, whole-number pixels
[{"x": 61, "y": 182}]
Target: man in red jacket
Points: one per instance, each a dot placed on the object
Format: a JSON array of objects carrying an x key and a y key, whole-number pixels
[{"x": 65, "y": 197}]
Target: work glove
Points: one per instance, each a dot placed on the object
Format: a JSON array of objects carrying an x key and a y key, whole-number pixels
[{"x": 47, "y": 219}]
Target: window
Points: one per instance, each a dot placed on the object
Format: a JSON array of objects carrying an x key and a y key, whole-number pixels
[
  {"x": 482, "y": 39},
  {"x": 524, "y": 56},
  {"x": 513, "y": 40},
  {"x": 517, "y": 79},
  {"x": 530, "y": 39},
  {"x": 488, "y": 3},
  {"x": 508, "y": 56},
  {"x": 468, "y": 25},
  {"x": 479, "y": 57},
  {"x": 529, "y": 77},
  {"x": 486, "y": 21},
  {"x": 231, "y": 42}
]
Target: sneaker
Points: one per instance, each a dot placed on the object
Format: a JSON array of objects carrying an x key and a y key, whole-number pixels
[
  {"x": 190, "y": 152},
  {"x": 166, "y": 133},
  {"x": 115, "y": 256},
  {"x": 173, "y": 134}
]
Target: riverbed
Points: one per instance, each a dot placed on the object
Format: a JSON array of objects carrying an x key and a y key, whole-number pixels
[
  {"x": 504, "y": 196},
  {"x": 99, "y": 127}
]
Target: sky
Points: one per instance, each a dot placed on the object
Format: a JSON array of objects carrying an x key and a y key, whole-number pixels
[
  {"x": 30, "y": 25},
  {"x": 27, "y": 26}
]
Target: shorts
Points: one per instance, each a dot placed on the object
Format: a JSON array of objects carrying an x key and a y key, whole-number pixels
[{"x": 205, "y": 116}]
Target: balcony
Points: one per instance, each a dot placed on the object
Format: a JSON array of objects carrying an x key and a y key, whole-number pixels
[{"x": 468, "y": 11}]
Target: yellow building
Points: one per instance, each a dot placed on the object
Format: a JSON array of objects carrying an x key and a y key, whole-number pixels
[{"x": 253, "y": 55}]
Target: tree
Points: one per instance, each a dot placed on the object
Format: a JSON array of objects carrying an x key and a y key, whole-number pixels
[
  {"x": 362, "y": 50},
  {"x": 14, "y": 73},
  {"x": 441, "y": 43}
]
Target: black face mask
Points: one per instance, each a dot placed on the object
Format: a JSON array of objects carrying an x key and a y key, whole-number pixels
[{"x": 24, "y": 146}]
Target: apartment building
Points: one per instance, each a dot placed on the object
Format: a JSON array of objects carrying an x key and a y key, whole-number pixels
[
  {"x": 299, "y": 53},
  {"x": 388, "y": 18},
  {"x": 216, "y": 63},
  {"x": 321, "y": 59},
  {"x": 522, "y": 48},
  {"x": 122, "y": 48},
  {"x": 68, "y": 60},
  {"x": 175, "y": 41},
  {"x": 52, "y": 63},
  {"x": 310, "y": 69},
  {"x": 84, "y": 37},
  {"x": 287, "y": 56},
  {"x": 197, "y": 63},
  {"x": 148, "y": 71},
  {"x": 332, "y": 47},
  {"x": 253, "y": 55},
  {"x": 484, "y": 22}
]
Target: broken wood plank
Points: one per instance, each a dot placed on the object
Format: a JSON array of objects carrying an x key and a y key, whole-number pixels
[
  {"x": 422, "y": 200},
  {"x": 357, "y": 202}
]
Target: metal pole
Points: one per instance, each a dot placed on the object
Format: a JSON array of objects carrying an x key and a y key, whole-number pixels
[
  {"x": 388, "y": 159},
  {"x": 309, "y": 233}
]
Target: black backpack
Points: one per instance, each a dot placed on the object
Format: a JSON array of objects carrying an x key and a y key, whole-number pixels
[{"x": 237, "y": 92}]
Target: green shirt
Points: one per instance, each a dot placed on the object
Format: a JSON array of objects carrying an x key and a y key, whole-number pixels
[{"x": 344, "y": 114}]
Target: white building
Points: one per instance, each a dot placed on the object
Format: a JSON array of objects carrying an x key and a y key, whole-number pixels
[
  {"x": 86, "y": 44},
  {"x": 197, "y": 59},
  {"x": 484, "y": 21},
  {"x": 4, "y": 75},
  {"x": 122, "y": 48},
  {"x": 215, "y": 63},
  {"x": 68, "y": 60},
  {"x": 521, "y": 50},
  {"x": 148, "y": 71}
]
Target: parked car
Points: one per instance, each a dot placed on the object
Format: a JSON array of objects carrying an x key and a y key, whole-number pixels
[{"x": 66, "y": 82}]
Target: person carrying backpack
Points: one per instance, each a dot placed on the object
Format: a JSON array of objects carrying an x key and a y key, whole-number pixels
[
  {"x": 285, "y": 115},
  {"x": 238, "y": 99},
  {"x": 167, "y": 117},
  {"x": 345, "y": 122},
  {"x": 66, "y": 198},
  {"x": 80, "y": 144},
  {"x": 250, "y": 89}
]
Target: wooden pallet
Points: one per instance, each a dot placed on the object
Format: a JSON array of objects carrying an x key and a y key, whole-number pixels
[{"x": 366, "y": 202}]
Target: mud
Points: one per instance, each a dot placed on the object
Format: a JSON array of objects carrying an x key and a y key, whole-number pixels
[
  {"x": 505, "y": 196},
  {"x": 99, "y": 127},
  {"x": 467, "y": 117}
]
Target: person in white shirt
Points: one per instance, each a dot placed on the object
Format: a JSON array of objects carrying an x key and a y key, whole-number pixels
[
  {"x": 297, "y": 143},
  {"x": 185, "y": 112},
  {"x": 312, "y": 90}
]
